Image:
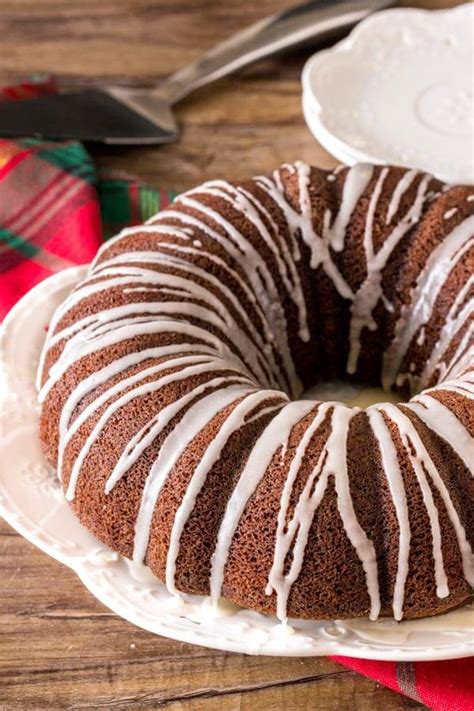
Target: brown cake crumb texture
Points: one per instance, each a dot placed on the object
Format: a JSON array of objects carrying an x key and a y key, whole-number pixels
[{"x": 239, "y": 270}]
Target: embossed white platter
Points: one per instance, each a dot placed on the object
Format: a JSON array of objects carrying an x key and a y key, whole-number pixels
[
  {"x": 32, "y": 502},
  {"x": 399, "y": 90}
]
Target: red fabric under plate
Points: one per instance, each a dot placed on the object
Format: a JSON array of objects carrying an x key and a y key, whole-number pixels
[{"x": 441, "y": 686}]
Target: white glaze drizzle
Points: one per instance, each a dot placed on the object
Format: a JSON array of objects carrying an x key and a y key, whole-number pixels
[
  {"x": 234, "y": 251},
  {"x": 83, "y": 344},
  {"x": 285, "y": 534},
  {"x": 275, "y": 435},
  {"x": 439, "y": 418},
  {"x": 356, "y": 183},
  {"x": 463, "y": 385},
  {"x": 167, "y": 258},
  {"x": 139, "y": 390},
  {"x": 193, "y": 421},
  {"x": 153, "y": 428},
  {"x": 402, "y": 186},
  {"x": 450, "y": 213},
  {"x": 117, "y": 367},
  {"x": 235, "y": 421},
  {"x": 293, "y": 536},
  {"x": 370, "y": 291},
  {"x": 396, "y": 486},
  {"x": 257, "y": 271},
  {"x": 423, "y": 467},
  {"x": 301, "y": 222},
  {"x": 248, "y": 340},
  {"x": 462, "y": 358},
  {"x": 460, "y": 312},
  {"x": 248, "y": 206},
  {"x": 172, "y": 270},
  {"x": 86, "y": 386},
  {"x": 442, "y": 259}
]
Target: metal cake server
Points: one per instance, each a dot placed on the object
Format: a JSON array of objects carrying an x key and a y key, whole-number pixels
[{"x": 121, "y": 116}]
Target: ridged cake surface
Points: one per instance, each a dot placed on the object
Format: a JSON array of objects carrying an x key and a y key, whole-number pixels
[{"x": 172, "y": 376}]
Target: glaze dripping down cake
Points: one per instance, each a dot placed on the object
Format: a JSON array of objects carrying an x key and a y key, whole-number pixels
[{"x": 171, "y": 385}]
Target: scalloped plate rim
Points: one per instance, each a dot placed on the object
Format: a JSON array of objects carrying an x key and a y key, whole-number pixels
[{"x": 185, "y": 629}]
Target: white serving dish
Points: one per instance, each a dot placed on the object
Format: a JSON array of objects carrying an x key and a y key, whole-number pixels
[
  {"x": 31, "y": 500},
  {"x": 399, "y": 90}
]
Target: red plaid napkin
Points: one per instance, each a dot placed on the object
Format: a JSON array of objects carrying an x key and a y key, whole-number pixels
[
  {"x": 54, "y": 211},
  {"x": 441, "y": 686}
]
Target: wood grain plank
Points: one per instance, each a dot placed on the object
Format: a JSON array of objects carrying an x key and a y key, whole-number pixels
[{"x": 59, "y": 647}]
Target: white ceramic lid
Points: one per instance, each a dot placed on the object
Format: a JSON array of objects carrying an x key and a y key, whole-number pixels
[{"x": 399, "y": 90}]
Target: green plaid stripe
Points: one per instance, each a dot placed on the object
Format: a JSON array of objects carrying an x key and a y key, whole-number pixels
[
  {"x": 114, "y": 202},
  {"x": 16, "y": 242},
  {"x": 50, "y": 213},
  {"x": 126, "y": 202},
  {"x": 124, "y": 199},
  {"x": 149, "y": 200},
  {"x": 70, "y": 157}
]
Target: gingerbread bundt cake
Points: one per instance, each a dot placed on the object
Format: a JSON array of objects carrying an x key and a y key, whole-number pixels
[{"x": 172, "y": 382}]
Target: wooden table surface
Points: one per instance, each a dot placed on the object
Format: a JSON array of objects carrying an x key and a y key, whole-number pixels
[{"x": 59, "y": 647}]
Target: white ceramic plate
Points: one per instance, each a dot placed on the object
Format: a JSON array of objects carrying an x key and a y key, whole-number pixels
[
  {"x": 398, "y": 90},
  {"x": 32, "y": 501}
]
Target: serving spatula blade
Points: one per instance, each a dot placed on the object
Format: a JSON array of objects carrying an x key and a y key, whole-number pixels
[{"x": 90, "y": 115}]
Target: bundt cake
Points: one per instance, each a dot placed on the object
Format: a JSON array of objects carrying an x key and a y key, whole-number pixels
[{"x": 172, "y": 387}]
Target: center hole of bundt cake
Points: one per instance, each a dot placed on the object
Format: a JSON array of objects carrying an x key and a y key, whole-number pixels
[{"x": 353, "y": 394}]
